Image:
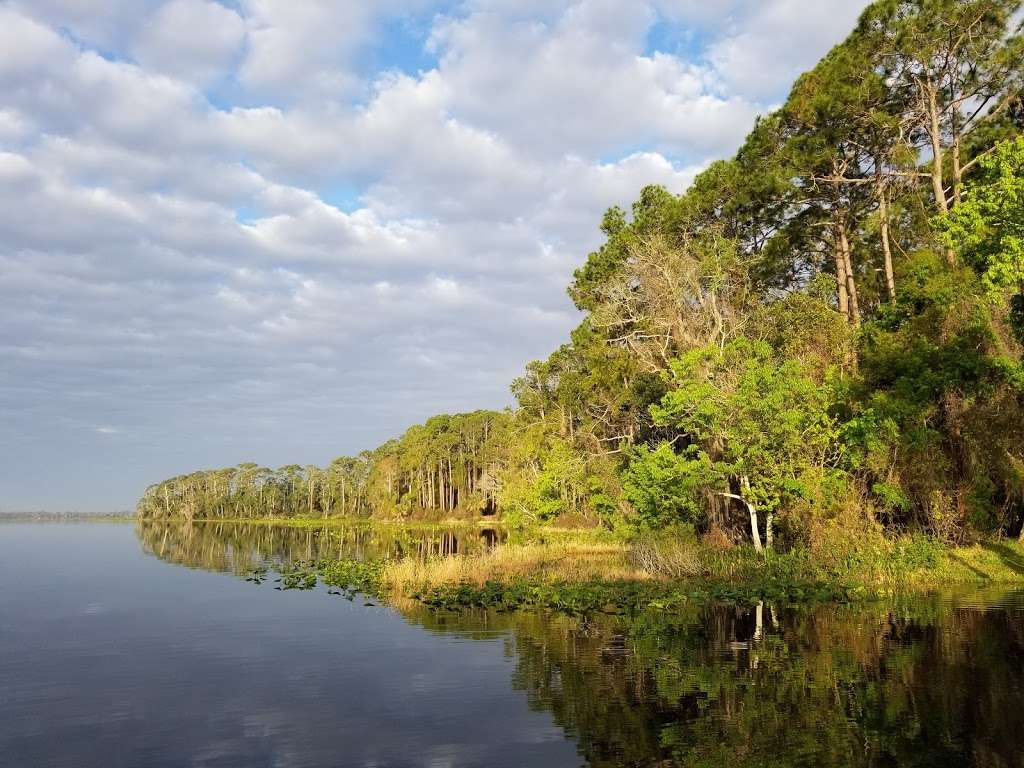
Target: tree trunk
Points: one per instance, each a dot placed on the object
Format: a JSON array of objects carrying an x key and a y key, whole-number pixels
[
  {"x": 935, "y": 134},
  {"x": 958, "y": 174},
  {"x": 883, "y": 226},
  {"x": 842, "y": 297},
  {"x": 851, "y": 283},
  {"x": 755, "y": 534},
  {"x": 450, "y": 487},
  {"x": 769, "y": 533},
  {"x": 938, "y": 182}
]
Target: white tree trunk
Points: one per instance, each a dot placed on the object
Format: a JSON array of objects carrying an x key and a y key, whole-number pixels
[{"x": 755, "y": 534}]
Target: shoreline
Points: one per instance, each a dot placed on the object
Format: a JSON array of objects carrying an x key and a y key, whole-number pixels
[{"x": 585, "y": 570}]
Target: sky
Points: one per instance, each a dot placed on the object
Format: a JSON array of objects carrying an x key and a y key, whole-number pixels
[{"x": 285, "y": 230}]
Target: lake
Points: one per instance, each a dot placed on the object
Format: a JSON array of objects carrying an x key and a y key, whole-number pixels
[{"x": 142, "y": 646}]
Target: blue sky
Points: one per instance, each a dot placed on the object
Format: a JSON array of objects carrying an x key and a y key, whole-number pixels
[{"x": 273, "y": 231}]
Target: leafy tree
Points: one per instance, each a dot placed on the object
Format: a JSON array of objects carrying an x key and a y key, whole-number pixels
[
  {"x": 666, "y": 487},
  {"x": 988, "y": 226},
  {"x": 768, "y": 418}
]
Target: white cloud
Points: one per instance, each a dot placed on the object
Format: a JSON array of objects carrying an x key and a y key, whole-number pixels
[
  {"x": 305, "y": 50},
  {"x": 772, "y": 43},
  {"x": 585, "y": 83},
  {"x": 109, "y": 29},
  {"x": 196, "y": 40}
]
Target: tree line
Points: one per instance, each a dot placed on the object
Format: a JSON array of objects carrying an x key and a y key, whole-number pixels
[
  {"x": 822, "y": 335},
  {"x": 443, "y": 466}
]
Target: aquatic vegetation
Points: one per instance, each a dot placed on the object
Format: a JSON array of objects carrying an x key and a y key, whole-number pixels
[
  {"x": 353, "y": 576},
  {"x": 622, "y": 597}
]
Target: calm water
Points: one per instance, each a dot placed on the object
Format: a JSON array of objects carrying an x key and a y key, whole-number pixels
[{"x": 125, "y": 647}]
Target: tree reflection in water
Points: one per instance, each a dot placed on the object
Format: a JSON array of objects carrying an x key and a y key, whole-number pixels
[{"x": 240, "y": 548}]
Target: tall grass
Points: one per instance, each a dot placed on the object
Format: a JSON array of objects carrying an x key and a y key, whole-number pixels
[
  {"x": 880, "y": 564},
  {"x": 564, "y": 562}
]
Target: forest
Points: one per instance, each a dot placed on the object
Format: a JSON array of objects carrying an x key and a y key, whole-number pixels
[{"x": 821, "y": 339}]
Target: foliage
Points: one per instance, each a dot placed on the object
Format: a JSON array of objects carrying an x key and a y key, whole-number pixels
[
  {"x": 445, "y": 467},
  {"x": 753, "y": 416},
  {"x": 665, "y": 487},
  {"x": 988, "y": 226}
]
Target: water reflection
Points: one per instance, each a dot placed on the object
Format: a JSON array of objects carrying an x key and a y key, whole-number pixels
[
  {"x": 911, "y": 681},
  {"x": 920, "y": 682},
  {"x": 240, "y": 548}
]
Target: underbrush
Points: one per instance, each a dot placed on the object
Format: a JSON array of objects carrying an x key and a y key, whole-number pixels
[{"x": 873, "y": 564}]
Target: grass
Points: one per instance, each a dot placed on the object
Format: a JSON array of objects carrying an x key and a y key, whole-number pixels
[
  {"x": 874, "y": 566},
  {"x": 996, "y": 562},
  {"x": 564, "y": 562}
]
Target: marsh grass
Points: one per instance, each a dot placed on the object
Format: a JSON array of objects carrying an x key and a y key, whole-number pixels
[
  {"x": 557, "y": 562},
  {"x": 874, "y": 566}
]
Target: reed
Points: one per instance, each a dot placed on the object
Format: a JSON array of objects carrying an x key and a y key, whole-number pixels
[{"x": 563, "y": 562}]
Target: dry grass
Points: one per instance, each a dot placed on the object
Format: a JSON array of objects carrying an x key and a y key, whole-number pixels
[
  {"x": 672, "y": 559},
  {"x": 559, "y": 562}
]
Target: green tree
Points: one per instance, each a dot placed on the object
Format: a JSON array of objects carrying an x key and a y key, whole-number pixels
[
  {"x": 770, "y": 421},
  {"x": 987, "y": 228}
]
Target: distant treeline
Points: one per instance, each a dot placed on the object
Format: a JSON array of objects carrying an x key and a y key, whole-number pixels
[
  {"x": 447, "y": 465},
  {"x": 43, "y": 516},
  {"x": 820, "y": 338}
]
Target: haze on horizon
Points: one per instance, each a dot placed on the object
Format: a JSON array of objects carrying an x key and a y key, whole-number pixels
[{"x": 254, "y": 231}]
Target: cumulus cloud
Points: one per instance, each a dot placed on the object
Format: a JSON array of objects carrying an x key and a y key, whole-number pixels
[
  {"x": 195, "y": 40},
  {"x": 222, "y": 238},
  {"x": 109, "y": 30},
  {"x": 306, "y": 50},
  {"x": 585, "y": 82},
  {"x": 769, "y": 44}
]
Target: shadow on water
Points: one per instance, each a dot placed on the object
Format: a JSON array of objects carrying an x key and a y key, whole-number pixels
[{"x": 911, "y": 681}]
